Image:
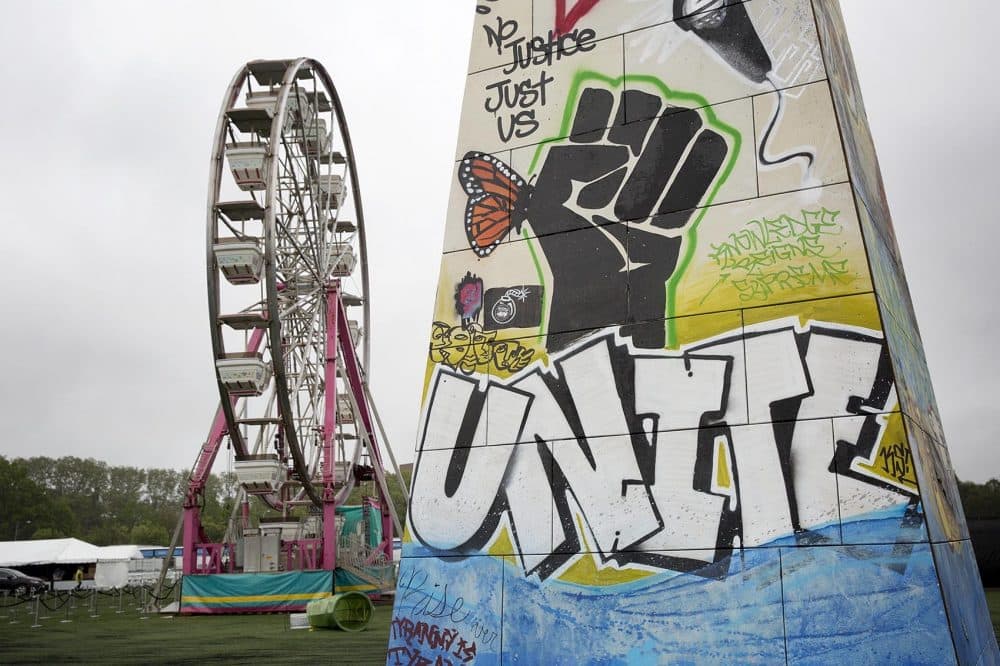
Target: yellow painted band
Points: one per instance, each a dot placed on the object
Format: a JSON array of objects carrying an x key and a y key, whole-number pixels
[{"x": 260, "y": 597}]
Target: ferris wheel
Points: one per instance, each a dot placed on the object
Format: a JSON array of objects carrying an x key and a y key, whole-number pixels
[
  {"x": 273, "y": 258},
  {"x": 289, "y": 300}
]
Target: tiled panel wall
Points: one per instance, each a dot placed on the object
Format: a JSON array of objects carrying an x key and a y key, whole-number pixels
[{"x": 676, "y": 408}]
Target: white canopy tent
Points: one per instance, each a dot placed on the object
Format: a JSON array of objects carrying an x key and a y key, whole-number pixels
[
  {"x": 47, "y": 551},
  {"x": 113, "y": 564},
  {"x": 118, "y": 553}
]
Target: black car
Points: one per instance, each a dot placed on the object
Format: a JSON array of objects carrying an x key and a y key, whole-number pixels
[{"x": 15, "y": 582}]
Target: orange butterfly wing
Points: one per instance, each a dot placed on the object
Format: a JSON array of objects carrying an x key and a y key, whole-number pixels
[{"x": 495, "y": 194}]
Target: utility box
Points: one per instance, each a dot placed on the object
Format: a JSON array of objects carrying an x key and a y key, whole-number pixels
[
  {"x": 251, "y": 550},
  {"x": 270, "y": 546}
]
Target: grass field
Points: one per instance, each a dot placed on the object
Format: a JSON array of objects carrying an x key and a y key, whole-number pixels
[{"x": 126, "y": 638}]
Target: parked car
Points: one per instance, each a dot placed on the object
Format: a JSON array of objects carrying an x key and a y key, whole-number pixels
[{"x": 15, "y": 582}]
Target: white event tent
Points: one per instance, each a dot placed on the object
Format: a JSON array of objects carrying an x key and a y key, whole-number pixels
[
  {"x": 47, "y": 551},
  {"x": 112, "y": 562}
]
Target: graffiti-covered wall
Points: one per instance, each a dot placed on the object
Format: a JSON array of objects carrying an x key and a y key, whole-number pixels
[{"x": 676, "y": 408}]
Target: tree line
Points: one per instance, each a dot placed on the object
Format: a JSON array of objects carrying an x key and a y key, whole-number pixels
[
  {"x": 51, "y": 498},
  {"x": 980, "y": 500}
]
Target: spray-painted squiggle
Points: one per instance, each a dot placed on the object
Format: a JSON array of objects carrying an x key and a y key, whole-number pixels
[{"x": 808, "y": 155}]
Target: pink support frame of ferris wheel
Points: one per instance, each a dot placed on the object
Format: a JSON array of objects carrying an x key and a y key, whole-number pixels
[{"x": 338, "y": 338}]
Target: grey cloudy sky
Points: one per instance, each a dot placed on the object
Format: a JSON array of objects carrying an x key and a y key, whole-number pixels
[{"x": 108, "y": 114}]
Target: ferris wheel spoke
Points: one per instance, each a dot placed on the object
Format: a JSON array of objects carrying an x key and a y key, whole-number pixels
[
  {"x": 296, "y": 213},
  {"x": 293, "y": 165},
  {"x": 309, "y": 266}
]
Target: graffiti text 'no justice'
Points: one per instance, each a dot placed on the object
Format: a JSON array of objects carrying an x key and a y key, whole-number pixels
[{"x": 521, "y": 98}]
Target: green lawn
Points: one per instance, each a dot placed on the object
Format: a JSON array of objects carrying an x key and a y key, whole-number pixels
[{"x": 125, "y": 638}]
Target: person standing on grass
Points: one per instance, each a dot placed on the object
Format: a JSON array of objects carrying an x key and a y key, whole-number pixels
[{"x": 79, "y": 577}]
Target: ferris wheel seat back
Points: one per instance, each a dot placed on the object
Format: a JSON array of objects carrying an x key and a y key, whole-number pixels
[
  {"x": 319, "y": 101},
  {"x": 240, "y": 259},
  {"x": 333, "y": 157},
  {"x": 341, "y": 226},
  {"x": 245, "y": 321},
  {"x": 342, "y": 259},
  {"x": 315, "y": 139},
  {"x": 351, "y": 300},
  {"x": 259, "y": 474},
  {"x": 329, "y": 192},
  {"x": 345, "y": 413},
  {"x": 299, "y": 109},
  {"x": 240, "y": 211},
  {"x": 243, "y": 373},
  {"x": 247, "y": 164},
  {"x": 272, "y": 72},
  {"x": 256, "y": 122}
]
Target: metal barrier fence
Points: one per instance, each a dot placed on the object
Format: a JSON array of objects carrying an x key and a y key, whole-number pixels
[{"x": 65, "y": 606}]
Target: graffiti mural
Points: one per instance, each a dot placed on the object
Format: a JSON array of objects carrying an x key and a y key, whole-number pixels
[
  {"x": 676, "y": 408},
  {"x": 598, "y": 419}
]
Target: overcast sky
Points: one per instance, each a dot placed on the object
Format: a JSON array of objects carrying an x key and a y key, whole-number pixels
[{"x": 108, "y": 115}]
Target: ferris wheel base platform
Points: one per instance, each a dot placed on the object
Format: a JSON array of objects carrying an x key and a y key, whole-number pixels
[{"x": 277, "y": 592}]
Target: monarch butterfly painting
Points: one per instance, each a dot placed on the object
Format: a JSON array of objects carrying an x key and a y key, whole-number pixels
[{"x": 498, "y": 200}]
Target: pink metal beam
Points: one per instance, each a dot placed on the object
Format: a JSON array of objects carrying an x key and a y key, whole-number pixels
[
  {"x": 354, "y": 378},
  {"x": 353, "y": 371},
  {"x": 333, "y": 319}
]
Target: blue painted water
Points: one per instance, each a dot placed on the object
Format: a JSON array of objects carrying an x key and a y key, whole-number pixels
[{"x": 826, "y": 603}]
